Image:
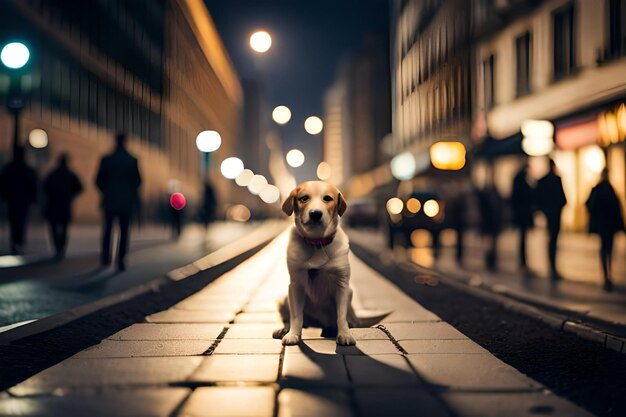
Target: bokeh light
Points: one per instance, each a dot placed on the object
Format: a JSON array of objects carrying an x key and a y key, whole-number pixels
[
  {"x": 413, "y": 205},
  {"x": 295, "y": 158},
  {"x": 447, "y": 156},
  {"x": 593, "y": 159},
  {"x": 208, "y": 141},
  {"x": 270, "y": 194},
  {"x": 313, "y": 125},
  {"x": 281, "y": 115},
  {"x": 238, "y": 213},
  {"x": 403, "y": 166},
  {"x": 244, "y": 178},
  {"x": 38, "y": 138},
  {"x": 178, "y": 201},
  {"x": 231, "y": 167},
  {"x": 260, "y": 41},
  {"x": 323, "y": 171},
  {"x": 394, "y": 206},
  {"x": 257, "y": 183},
  {"x": 431, "y": 208},
  {"x": 15, "y": 55}
]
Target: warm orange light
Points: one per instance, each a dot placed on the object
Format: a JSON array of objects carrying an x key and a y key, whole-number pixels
[
  {"x": 394, "y": 206},
  {"x": 448, "y": 156},
  {"x": 323, "y": 171},
  {"x": 413, "y": 205}
]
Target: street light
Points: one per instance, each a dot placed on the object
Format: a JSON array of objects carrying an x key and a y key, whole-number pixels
[
  {"x": 38, "y": 138},
  {"x": 260, "y": 41},
  {"x": 14, "y": 55},
  {"x": 295, "y": 158},
  {"x": 208, "y": 141},
  {"x": 313, "y": 125},
  {"x": 281, "y": 115},
  {"x": 403, "y": 166}
]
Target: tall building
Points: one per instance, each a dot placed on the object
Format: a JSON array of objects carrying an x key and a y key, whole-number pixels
[
  {"x": 155, "y": 69},
  {"x": 563, "y": 61},
  {"x": 358, "y": 111}
]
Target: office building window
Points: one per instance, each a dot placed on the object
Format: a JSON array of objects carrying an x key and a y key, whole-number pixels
[
  {"x": 522, "y": 54},
  {"x": 617, "y": 28},
  {"x": 489, "y": 82},
  {"x": 564, "y": 41}
]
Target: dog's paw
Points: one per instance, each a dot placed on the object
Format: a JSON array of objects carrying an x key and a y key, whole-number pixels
[
  {"x": 279, "y": 333},
  {"x": 345, "y": 339},
  {"x": 291, "y": 339}
]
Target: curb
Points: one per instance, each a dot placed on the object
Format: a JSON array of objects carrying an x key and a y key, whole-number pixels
[{"x": 259, "y": 236}]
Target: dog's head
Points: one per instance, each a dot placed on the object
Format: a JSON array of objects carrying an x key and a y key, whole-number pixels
[{"x": 316, "y": 206}]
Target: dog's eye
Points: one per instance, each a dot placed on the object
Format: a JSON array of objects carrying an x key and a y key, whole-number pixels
[
  {"x": 328, "y": 198},
  {"x": 304, "y": 199}
]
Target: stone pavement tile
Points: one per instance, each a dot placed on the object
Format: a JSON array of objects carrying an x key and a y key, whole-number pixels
[
  {"x": 249, "y": 346},
  {"x": 230, "y": 402},
  {"x": 411, "y": 315},
  {"x": 314, "y": 403},
  {"x": 398, "y": 402},
  {"x": 368, "y": 333},
  {"x": 473, "y": 371},
  {"x": 138, "y": 348},
  {"x": 233, "y": 368},
  {"x": 219, "y": 297},
  {"x": 330, "y": 347},
  {"x": 261, "y": 307},
  {"x": 381, "y": 370},
  {"x": 251, "y": 330},
  {"x": 436, "y": 330},
  {"x": 164, "y": 331},
  {"x": 442, "y": 346},
  {"x": 522, "y": 404},
  {"x": 313, "y": 369},
  {"x": 97, "y": 373},
  {"x": 203, "y": 305},
  {"x": 186, "y": 316},
  {"x": 258, "y": 318},
  {"x": 154, "y": 402}
]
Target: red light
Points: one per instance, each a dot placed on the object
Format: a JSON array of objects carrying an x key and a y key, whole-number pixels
[{"x": 178, "y": 201}]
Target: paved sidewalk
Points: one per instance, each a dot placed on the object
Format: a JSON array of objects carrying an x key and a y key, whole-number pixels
[
  {"x": 212, "y": 355},
  {"x": 579, "y": 294}
]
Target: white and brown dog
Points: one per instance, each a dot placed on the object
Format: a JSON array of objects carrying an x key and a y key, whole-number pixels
[{"x": 317, "y": 260}]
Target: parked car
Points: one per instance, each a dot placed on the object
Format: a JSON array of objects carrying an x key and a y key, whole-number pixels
[{"x": 420, "y": 210}]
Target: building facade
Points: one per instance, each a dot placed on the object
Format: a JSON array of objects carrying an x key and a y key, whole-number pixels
[
  {"x": 156, "y": 70},
  {"x": 558, "y": 60}
]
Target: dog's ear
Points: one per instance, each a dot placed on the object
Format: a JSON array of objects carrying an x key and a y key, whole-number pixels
[
  {"x": 290, "y": 202},
  {"x": 341, "y": 205}
]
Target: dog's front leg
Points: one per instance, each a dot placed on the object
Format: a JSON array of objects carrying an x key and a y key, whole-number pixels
[
  {"x": 296, "y": 308},
  {"x": 344, "y": 299}
]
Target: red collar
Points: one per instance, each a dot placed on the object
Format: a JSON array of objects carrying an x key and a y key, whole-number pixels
[{"x": 319, "y": 242}]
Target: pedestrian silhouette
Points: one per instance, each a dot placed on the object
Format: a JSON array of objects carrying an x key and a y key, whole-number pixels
[
  {"x": 18, "y": 186},
  {"x": 458, "y": 209},
  {"x": 551, "y": 200},
  {"x": 60, "y": 188},
  {"x": 490, "y": 204},
  {"x": 209, "y": 204},
  {"x": 522, "y": 207},
  {"x": 118, "y": 180},
  {"x": 605, "y": 219}
]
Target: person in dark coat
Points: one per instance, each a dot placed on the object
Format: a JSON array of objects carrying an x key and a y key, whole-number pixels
[
  {"x": 209, "y": 204},
  {"x": 118, "y": 180},
  {"x": 605, "y": 219},
  {"x": 551, "y": 200},
  {"x": 18, "y": 186},
  {"x": 490, "y": 203},
  {"x": 522, "y": 207},
  {"x": 60, "y": 187}
]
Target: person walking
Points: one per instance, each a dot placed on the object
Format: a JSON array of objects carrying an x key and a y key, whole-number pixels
[
  {"x": 60, "y": 188},
  {"x": 522, "y": 207},
  {"x": 209, "y": 204},
  {"x": 490, "y": 203},
  {"x": 605, "y": 219},
  {"x": 551, "y": 200},
  {"x": 18, "y": 186},
  {"x": 118, "y": 180}
]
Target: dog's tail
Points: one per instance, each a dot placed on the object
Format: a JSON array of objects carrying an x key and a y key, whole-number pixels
[{"x": 365, "y": 318}]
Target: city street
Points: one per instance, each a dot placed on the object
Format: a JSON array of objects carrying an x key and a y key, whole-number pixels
[{"x": 212, "y": 354}]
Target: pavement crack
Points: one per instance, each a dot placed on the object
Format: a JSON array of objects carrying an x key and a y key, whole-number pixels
[
  {"x": 393, "y": 339},
  {"x": 217, "y": 341}
]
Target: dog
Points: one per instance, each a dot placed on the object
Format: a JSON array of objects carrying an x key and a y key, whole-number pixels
[{"x": 317, "y": 260}]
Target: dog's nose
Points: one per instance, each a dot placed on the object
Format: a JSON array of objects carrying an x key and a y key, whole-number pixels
[{"x": 315, "y": 215}]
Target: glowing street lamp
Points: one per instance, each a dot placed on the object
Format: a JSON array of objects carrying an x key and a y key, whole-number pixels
[
  {"x": 281, "y": 115},
  {"x": 313, "y": 125},
  {"x": 14, "y": 55},
  {"x": 447, "y": 156},
  {"x": 295, "y": 158},
  {"x": 538, "y": 137},
  {"x": 260, "y": 41},
  {"x": 231, "y": 167},
  {"x": 208, "y": 141},
  {"x": 38, "y": 138},
  {"x": 403, "y": 166}
]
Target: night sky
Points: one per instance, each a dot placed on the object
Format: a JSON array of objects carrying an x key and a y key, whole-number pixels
[{"x": 309, "y": 40}]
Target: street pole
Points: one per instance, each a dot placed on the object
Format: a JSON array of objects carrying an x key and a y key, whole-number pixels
[{"x": 16, "y": 131}]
